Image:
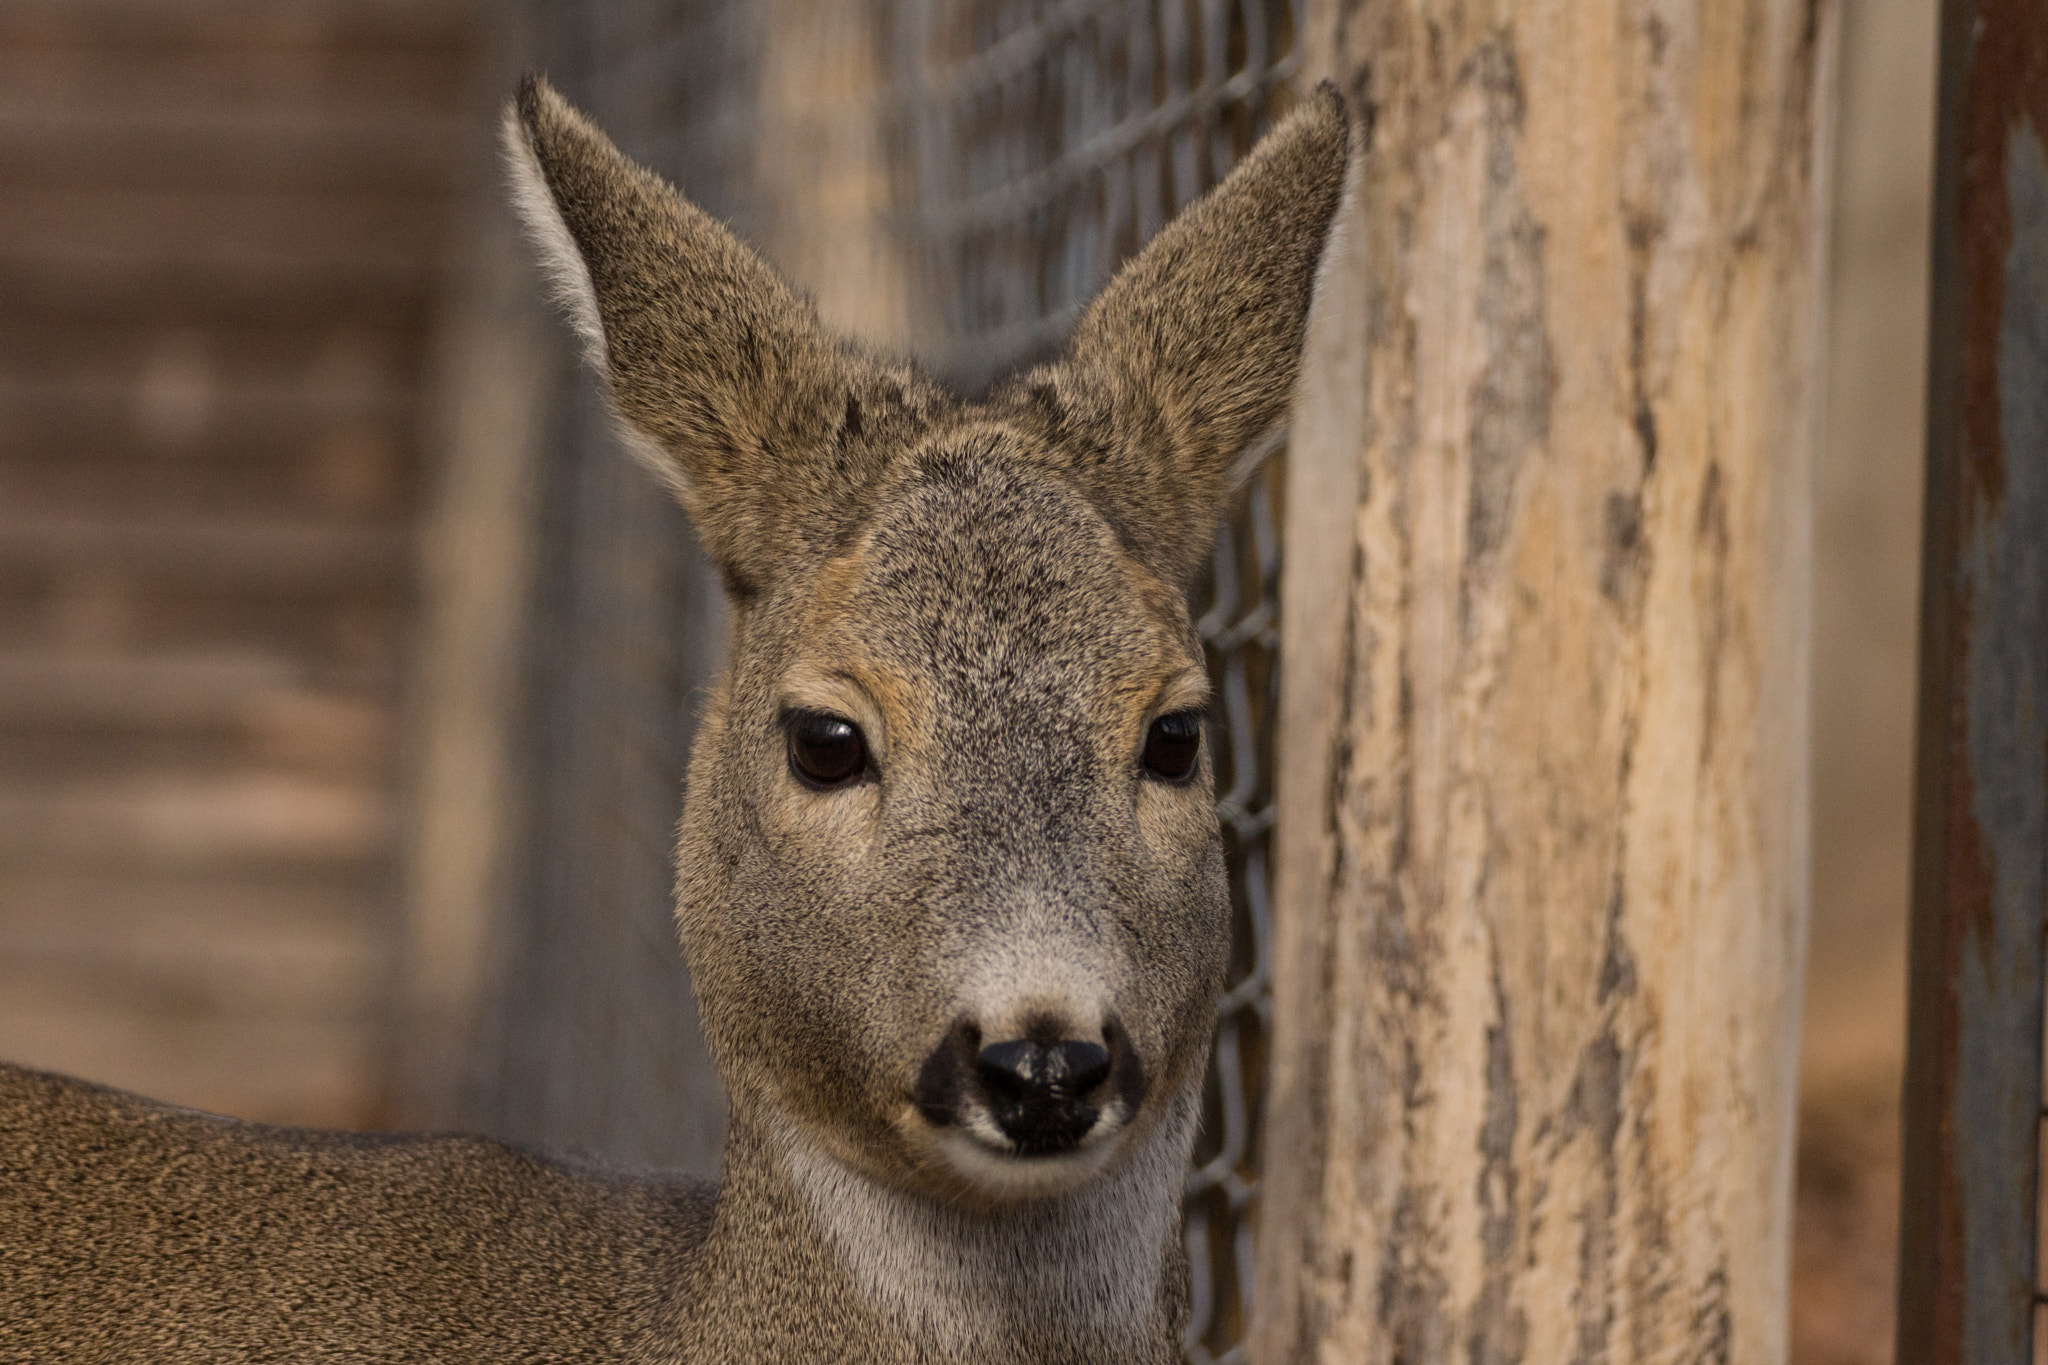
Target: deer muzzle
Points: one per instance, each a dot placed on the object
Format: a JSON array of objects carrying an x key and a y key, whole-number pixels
[{"x": 1044, "y": 1094}]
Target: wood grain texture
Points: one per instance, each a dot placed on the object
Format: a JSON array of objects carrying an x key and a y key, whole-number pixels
[{"x": 1543, "y": 874}]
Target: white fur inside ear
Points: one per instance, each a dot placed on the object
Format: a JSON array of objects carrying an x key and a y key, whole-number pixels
[
  {"x": 569, "y": 284},
  {"x": 568, "y": 276}
]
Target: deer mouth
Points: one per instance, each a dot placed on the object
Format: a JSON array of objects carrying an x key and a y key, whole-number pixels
[
  {"x": 980, "y": 1158},
  {"x": 1040, "y": 1132}
]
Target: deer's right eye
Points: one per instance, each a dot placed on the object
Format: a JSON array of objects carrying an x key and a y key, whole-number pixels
[
  {"x": 825, "y": 750},
  {"x": 1173, "y": 745}
]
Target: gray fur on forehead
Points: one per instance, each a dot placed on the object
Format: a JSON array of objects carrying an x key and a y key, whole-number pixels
[{"x": 978, "y": 552}]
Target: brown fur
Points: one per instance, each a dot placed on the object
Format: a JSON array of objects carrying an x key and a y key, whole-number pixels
[{"x": 994, "y": 593}]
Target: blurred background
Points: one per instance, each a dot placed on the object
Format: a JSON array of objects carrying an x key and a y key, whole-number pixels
[
  {"x": 346, "y": 669},
  {"x": 225, "y": 239}
]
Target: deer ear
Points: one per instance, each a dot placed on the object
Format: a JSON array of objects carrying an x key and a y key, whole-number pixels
[
  {"x": 1190, "y": 354},
  {"x": 724, "y": 383}
]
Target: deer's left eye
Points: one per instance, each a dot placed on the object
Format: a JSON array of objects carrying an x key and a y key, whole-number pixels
[
  {"x": 1173, "y": 745},
  {"x": 825, "y": 750}
]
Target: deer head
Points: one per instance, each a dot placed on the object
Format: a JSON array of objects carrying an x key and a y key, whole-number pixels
[{"x": 951, "y": 888}]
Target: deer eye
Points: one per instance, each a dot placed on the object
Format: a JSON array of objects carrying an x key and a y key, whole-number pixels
[
  {"x": 825, "y": 750},
  {"x": 1172, "y": 745}
]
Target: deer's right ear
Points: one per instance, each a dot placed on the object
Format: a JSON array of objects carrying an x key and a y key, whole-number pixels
[
  {"x": 1190, "y": 354},
  {"x": 724, "y": 382}
]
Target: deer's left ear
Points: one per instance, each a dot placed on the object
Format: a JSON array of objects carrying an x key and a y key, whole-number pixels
[{"x": 1191, "y": 352}]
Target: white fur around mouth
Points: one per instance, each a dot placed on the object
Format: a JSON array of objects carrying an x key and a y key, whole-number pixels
[{"x": 979, "y": 1152}]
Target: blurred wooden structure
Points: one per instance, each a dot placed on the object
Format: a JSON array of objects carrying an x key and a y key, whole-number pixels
[
  {"x": 1865, "y": 593},
  {"x": 222, "y": 232}
]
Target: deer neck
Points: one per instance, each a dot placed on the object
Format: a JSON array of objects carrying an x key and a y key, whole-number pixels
[{"x": 1093, "y": 1276}]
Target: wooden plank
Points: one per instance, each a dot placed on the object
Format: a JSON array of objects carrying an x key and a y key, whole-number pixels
[
  {"x": 325, "y": 94},
  {"x": 55, "y": 687},
  {"x": 269, "y": 421},
  {"x": 281, "y": 1068},
  {"x": 263, "y": 351},
  {"x": 397, "y": 81},
  {"x": 222, "y": 233},
  {"x": 270, "y": 555},
  {"x": 234, "y": 25},
  {"x": 316, "y": 120},
  {"x": 174, "y": 822},
  {"x": 117, "y": 903},
  {"x": 270, "y": 474},
  {"x": 480, "y": 554},
  {"x": 205, "y": 233},
  {"x": 282, "y": 405},
  {"x": 266, "y": 292},
  {"x": 252, "y": 701},
  {"x": 217, "y": 947},
  {"x": 145, "y": 151}
]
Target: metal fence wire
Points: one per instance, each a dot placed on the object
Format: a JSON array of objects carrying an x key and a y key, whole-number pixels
[{"x": 1033, "y": 145}]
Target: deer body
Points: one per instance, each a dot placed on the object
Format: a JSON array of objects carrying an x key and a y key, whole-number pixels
[{"x": 951, "y": 885}]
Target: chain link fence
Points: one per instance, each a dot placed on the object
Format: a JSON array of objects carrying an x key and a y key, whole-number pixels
[{"x": 1025, "y": 148}]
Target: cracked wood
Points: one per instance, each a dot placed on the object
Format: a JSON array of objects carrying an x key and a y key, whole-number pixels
[{"x": 1542, "y": 848}]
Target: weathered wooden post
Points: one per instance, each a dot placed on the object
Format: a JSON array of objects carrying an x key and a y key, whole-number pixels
[
  {"x": 1542, "y": 825},
  {"x": 1970, "y": 1282}
]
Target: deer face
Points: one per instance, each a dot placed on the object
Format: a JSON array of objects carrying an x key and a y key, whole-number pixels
[{"x": 951, "y": 884}]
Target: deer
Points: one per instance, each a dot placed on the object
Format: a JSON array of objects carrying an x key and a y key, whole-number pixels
[{"x": 950, "y": 880}]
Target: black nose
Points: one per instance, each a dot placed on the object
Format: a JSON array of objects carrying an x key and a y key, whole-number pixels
[{"x": 1036, "y": 1094}]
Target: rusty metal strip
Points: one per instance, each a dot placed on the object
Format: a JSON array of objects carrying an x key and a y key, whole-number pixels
[{"x": 1968, "y": 1259}]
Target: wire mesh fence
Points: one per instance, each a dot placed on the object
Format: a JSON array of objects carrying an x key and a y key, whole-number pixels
[
  {"x": 1030, "y": 146},
  {"x": 1047, "y": 140}
]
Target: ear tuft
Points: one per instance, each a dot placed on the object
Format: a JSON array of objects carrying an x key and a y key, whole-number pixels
[{"x": 1190, "y": 354}]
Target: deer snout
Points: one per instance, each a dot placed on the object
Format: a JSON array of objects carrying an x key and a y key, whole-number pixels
[{"x": 1039, "y": 1095}]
